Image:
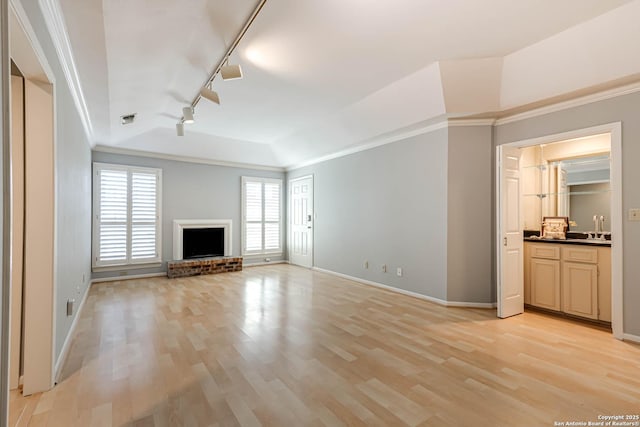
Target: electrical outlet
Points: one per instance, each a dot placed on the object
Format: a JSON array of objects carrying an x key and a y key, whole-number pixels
[
  {"x": 366, "y": 264},
  {"x": 399, "y": 272},
  {"x": 384, "y": 268},
  {"x": 634, "y": 214},
  {"x": 267, "y": 260}
]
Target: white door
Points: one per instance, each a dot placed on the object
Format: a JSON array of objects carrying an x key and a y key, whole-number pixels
[
  {"x": 510, "y": 252},
  {"x": 301, "y": 221}
]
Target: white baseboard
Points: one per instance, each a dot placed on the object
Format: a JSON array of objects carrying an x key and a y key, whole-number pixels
[
  {"x": 409, "y": 293},
  {"x": 632, "y": 338},
  {"x": 67, "y": 342},
  {"x": 257, "y": 264},
  {"x": 131, "y": 277}
]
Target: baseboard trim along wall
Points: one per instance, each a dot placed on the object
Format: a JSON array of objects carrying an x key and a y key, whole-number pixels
[
  {"x": 408, "y": 293},
  {"x": 632, "y": 338},
  {"x": 131, "y": 277},
  {"x": 258, "y": 264},
  {"x": 67, "y": 342}
]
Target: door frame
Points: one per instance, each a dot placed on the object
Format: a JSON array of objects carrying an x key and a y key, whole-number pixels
[
  {"x": 25, "y": 50},
  {"x": 289, "y": 216},
  {"x": 615, "y": 131}
]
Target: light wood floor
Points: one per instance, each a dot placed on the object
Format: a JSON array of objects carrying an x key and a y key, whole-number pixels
[{"x": 285, "y": 346}]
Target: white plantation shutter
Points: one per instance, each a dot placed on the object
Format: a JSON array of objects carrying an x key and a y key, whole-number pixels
[
  {"x": 112, "y": 247},
  {"x": 144, "y": 215},
  {"x": 261, "y": 203},
  {"x": 127, "y": 215}
]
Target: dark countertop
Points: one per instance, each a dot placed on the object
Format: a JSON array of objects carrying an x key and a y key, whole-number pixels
[{"x": 584, "y": 242}]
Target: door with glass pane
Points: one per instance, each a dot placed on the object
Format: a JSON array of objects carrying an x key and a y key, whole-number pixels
[{"x": 301, "y": 221}]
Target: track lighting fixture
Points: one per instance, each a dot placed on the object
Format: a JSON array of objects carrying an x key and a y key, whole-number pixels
[
  {"x": 211, "y": 95},
  {"x": 228, "y": 72},
  {"x": 231, "y": 72},
  {"x": 187, "y": 115}
]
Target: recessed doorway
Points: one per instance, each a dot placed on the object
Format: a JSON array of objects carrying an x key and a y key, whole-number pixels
[{"x": 524, "y": 170}]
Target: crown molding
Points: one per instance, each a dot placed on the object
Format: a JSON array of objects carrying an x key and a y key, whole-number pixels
[
  {"x": 23, "y": 21},
  {"x": 177, "y": 158},
  {"x": 394, "y": 137},
  {"x": 572, "y": 103},
  {"x": 471, "y": 122},
  {"x": 375, "y": 142},
  {"x": 54, "y": 21}
]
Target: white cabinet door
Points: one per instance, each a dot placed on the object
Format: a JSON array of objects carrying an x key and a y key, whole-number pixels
[
  {"x": 545, "y": 283},
  {"x": 580, "y": 289}
]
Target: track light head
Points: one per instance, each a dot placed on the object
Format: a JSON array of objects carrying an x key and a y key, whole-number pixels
[
  {"x": 187, "y": 114},
  {"x": 180, "y": 128},
  {"x": 231, "y": 72},
  {"x": 209, "y": 94}
]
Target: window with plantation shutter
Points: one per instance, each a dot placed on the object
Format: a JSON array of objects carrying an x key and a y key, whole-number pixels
[
  {"x": 261, "y": 216},
  {"x": 126, "y": 227}
]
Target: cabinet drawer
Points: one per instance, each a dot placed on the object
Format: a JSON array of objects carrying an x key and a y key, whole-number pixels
[
  {"x": 580, "y": 254},
  {"x": 545, "y": 250}
]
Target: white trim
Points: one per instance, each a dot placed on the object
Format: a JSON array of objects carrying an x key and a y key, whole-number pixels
[
  {"x": 135, "y": 276},
  {"x": 187, "y": 159},
  {"x": 126, "y": 267},
  {"x": 617, "y": 215},
  {"x": 25, "y": 25},
  {"x": 180, "y": 224},
  {"x": 54, "y": 20},
  {"x": 96, "y": 264},
  {"x": 471, "y": 122},
  {"x": 632, "y": 338},
  {"x": 258, "y": 264},
  {"x": 565, "y": 105},
  {"x": 243, "y": 198},
  {"x": 377, "y": 142},
  {"x": 408, "y": 293},
  {"x": 67, "y": 342},
  {"x": 396, "y": 136}
]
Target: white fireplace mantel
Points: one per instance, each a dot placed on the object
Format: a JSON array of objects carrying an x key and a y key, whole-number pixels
[{"x": 180, "y": 224}]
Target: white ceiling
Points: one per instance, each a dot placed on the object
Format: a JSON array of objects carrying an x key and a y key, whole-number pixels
[{"x": 319, "y": 76}]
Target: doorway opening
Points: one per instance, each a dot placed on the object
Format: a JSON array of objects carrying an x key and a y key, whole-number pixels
[{"x": 573, "y": 178}]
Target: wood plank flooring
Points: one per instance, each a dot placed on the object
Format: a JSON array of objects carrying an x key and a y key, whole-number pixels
[{"x": 285, "y": 346}]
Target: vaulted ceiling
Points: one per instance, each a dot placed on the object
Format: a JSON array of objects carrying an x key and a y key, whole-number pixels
[{"x": 322, "y": 76}]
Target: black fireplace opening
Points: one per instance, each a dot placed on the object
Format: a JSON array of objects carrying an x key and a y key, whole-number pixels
[{"x": 202, "y": 242}]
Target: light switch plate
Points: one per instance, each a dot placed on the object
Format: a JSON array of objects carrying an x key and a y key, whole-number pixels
[{"x": 634, "y": 214}]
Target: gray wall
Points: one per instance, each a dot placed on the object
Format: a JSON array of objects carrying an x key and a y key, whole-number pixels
[
  {"x": 387, "y": 205},
  {"x": 73, "y": 191},
  {"x": 470, "y": 185},
  {"x": 625, "y": 109},
  {"x": 193, "y": 191}
]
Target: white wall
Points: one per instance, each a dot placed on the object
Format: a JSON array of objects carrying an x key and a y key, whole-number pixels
[{"x": 193, "y": 191}]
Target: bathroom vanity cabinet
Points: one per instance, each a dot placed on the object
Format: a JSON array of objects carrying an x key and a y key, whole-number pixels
[{"x": 568, "y": 277}]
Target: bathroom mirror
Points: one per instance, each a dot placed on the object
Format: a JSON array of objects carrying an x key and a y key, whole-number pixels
[{"x": 586, "y": 191}]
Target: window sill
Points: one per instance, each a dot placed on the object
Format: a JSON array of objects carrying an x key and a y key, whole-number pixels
[{"x": 120, "y": 267}]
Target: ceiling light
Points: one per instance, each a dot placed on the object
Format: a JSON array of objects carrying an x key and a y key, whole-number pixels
[
  {"x": 231, "y": 72},
  {"x": 209, "y": 94},
  {"x": 180, "y": 129},
  {"x": 187, "y": 114}
]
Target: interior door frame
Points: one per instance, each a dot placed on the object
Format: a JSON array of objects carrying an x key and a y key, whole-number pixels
[
  {"x": 25, "y": 50},
  {"x": 615, "y": 131},
  {"x": 289, "y": 216}
]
